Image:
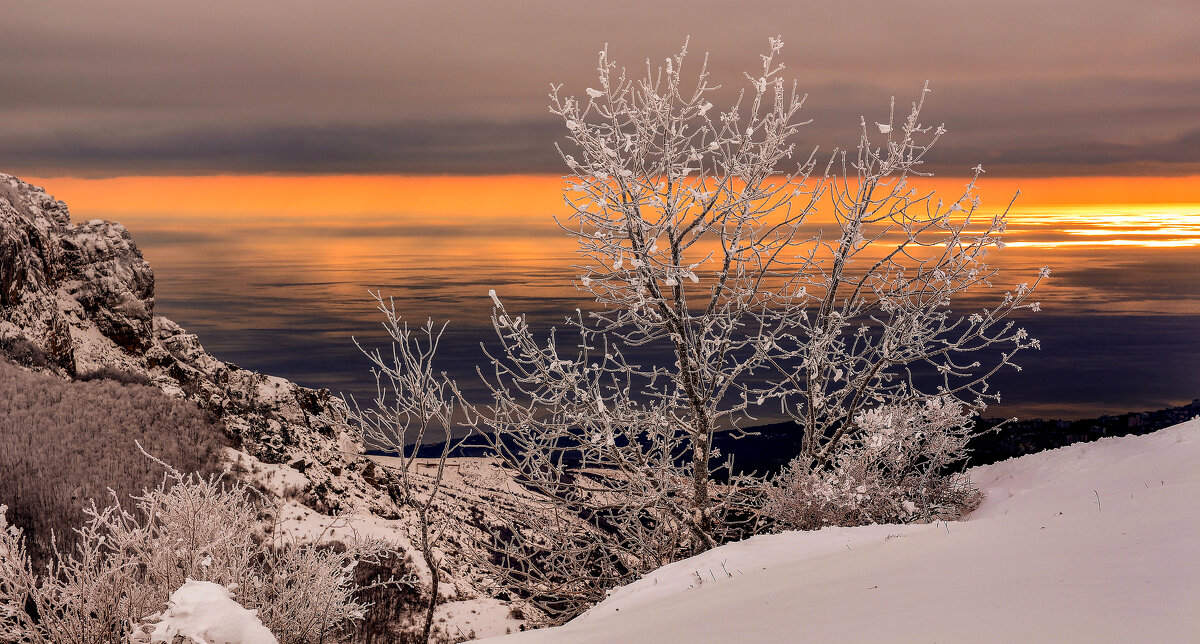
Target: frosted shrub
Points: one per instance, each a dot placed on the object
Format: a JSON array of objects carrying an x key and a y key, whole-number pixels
[
  {"x": 307, "y": 594},
  {"x": 893, "y": 471},
  {"x": 113, "y": 586},
  {"x": 16, "y": 583}
]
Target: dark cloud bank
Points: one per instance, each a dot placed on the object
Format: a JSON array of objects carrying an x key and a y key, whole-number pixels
[{"x": 120, "y": 87}]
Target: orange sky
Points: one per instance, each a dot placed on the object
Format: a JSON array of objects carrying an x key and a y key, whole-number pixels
[{"x": 433, "y": 198}]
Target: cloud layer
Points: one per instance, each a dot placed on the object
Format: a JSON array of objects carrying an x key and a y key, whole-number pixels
[{"x": 380, "y": 86}]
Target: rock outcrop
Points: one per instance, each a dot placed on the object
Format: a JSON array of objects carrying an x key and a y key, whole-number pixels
[{"x": 79, "y": 298}]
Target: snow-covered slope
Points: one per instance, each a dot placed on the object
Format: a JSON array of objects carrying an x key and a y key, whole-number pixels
[{"x": 1097, "y": 542}]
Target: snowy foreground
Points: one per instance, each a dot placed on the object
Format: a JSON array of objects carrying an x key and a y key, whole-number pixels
[{"x": 1097, "y": 542}]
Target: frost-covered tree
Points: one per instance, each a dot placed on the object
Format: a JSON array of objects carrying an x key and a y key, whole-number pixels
[
  {"x": 413, "y": 403},
  {"x": 864, "y": 317},
  {"x": 684, "y": 215},
  {"x": 731, "y": 276}
]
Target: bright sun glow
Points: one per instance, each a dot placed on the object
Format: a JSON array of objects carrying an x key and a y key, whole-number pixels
[{"x": 1146, "y": 225}]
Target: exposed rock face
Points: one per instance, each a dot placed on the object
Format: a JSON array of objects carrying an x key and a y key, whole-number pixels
[
  {"x": 110, "y": 280},
  {"x": 29, "y": 268},
  {"x": 82, "y": 296}
]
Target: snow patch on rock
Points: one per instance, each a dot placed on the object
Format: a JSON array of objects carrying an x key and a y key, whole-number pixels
[{"x": 202, "y": 612}]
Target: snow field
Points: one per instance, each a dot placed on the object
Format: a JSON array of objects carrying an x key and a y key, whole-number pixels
[{"x": 1095, "y": 542}]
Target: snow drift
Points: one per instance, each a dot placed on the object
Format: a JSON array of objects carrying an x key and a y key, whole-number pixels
[
  {"x": 1094, "y": 542},
  {"x": 202, "y": 612}
]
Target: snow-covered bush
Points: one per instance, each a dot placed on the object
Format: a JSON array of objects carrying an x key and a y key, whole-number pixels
[
  {"x": 306, "y": 593},
  {"x": 113, "y": 586},
  {"x": 17, "y": 583},
  {"x": 895, "y": 470}
]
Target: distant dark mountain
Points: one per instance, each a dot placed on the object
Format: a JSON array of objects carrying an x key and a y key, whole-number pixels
[
  {"x": 1037, "y": 435},
  {"x": 776, "y": 444},
  {"x": 767, "y": 448}
]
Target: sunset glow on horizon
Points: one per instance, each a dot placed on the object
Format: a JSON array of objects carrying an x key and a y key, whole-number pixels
[
  {"x": 272, "y": 171},
  {"x": 360, "y": 193},
  {"x": 1117, "y": 211}
]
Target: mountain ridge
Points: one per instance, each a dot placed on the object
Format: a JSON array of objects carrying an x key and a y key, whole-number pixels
[{"x": 78, "y": 298}]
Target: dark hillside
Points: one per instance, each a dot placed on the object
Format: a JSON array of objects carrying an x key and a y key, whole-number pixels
[
  {"x": 62, "y": 443},
  {"x": 768, "y": 448}
]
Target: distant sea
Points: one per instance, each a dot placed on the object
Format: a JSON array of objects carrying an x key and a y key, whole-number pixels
[{"x": 1120, "y": 325}]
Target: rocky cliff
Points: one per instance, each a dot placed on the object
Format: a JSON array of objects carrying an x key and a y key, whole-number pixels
[{"x": 78, "y": 298}]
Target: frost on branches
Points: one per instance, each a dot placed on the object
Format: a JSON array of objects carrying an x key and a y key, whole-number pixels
[
  {"x": 893, "y": 470},
  {"x": 412, "y": 402},
  {"x": 114, "y": 587},
  {"x": 732, "y": 277}
]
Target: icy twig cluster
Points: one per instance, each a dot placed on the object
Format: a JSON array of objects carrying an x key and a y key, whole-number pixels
[
  {"x": 413, "y": 402},
  {"x": 113, "y": 587},
  {"x": 893, "y": 470}
]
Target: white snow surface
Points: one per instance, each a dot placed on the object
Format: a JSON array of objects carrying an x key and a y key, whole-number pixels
[
  {"x": 1096, "y": 542},
  {"x": 204, "y": 613},
  {"x": 473, "y": 618}
]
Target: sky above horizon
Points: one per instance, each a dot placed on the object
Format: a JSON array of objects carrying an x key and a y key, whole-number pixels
[
  {"x": 275, "y": 159},
  {"x": 137, "y": 87}
]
